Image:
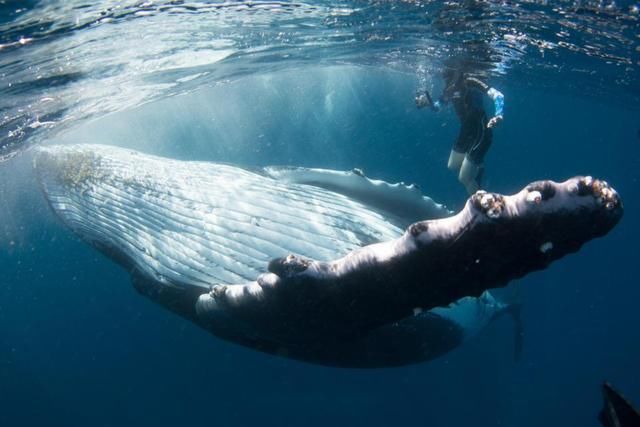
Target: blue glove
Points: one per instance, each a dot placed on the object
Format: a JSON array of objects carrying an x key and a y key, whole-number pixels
[{"x": 498, "y": 101}]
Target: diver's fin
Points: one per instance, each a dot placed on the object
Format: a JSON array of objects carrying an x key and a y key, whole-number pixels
[{"x": 617, "y": 411}]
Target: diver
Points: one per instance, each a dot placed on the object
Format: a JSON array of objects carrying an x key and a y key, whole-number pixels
[{"x": 466, "y": 93}]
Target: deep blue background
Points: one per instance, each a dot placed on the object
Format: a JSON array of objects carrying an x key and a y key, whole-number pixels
[{"x": 79, "y": 347}]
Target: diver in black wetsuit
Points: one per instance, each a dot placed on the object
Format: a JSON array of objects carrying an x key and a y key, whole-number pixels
[{"x": 475, "y": 137}]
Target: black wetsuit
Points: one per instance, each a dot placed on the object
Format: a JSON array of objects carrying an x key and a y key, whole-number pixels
[{"x": 466, "y": 94}]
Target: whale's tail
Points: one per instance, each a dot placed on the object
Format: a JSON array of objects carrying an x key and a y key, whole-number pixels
[
  {"x": 512, "y": 306},
  {"x": 515, "y": 311}
]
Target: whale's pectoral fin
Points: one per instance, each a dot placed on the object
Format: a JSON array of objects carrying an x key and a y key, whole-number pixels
[{"x": 493, "y": 240}]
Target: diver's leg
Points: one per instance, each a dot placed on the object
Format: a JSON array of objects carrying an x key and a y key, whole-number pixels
[
  {"x": 469, "y": 172},
  {"x": 465, "y": 140},
  {"x": 455, "y": 160},
  {"x": 472, "y": 167}
]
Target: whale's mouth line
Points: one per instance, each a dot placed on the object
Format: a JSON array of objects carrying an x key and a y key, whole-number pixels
[{"x": 297, "y": 259}]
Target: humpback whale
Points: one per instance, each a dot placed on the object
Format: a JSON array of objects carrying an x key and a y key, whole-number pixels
[{"x": 324, "y": 266}]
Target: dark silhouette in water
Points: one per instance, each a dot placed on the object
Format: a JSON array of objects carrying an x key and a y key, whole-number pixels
[{"x": 617, "y": 411}]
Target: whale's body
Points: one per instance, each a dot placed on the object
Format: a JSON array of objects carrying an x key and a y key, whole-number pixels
[{"x": 190, "y": 231}]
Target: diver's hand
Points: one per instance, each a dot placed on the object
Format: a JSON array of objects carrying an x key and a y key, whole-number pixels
[
  {"x": 423, "y": 100},
  {"x": 495, "y": 121}
]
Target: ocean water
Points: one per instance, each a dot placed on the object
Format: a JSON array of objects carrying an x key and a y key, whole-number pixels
[{"x": 319, "y": 84}]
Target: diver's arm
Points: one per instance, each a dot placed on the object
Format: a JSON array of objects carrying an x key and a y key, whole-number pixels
[
  {"x": 445, "y": 97},
  {"x": 473, "y": 83},
  {"x": 498, "y": 104},
  {"x": 423, "y": 99},
  {"x": 496, "y": 96}
]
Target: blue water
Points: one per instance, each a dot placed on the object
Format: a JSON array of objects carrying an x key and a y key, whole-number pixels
[{"x": 79, "y": 346}]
